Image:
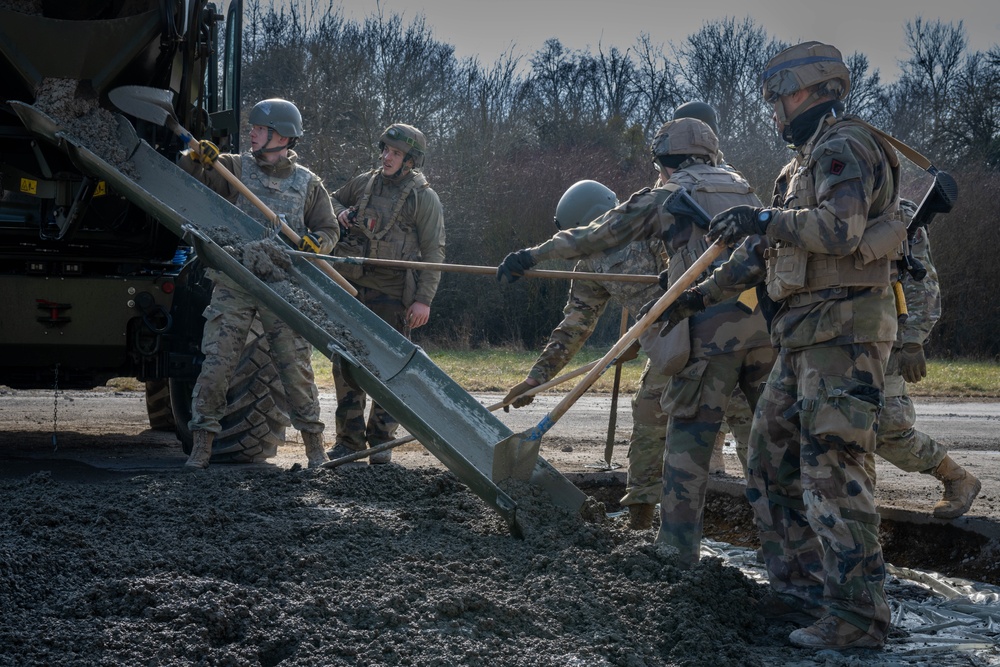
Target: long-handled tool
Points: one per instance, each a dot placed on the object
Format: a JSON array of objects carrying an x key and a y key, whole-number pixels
[
  {"x": 482, "y": 270},
  {"x": 385, "y": 446},
  {"x": 155, "y": 105},
  {"x": 609, "y": 446},
  {"x": 515, "y": 455}
]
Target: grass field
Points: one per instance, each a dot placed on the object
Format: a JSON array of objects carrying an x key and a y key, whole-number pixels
[{"x": 498, "y": 369}]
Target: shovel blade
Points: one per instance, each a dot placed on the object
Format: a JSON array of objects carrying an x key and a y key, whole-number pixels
[
  {"x": 154, "y": 105},
  {"x": 515, "y": 457}
]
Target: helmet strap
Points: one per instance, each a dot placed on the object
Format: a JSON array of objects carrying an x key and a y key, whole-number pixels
[{"x": 272, "y": 149}]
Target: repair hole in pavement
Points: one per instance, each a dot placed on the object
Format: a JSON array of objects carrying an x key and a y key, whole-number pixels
[{"x": 942, "y": 548}]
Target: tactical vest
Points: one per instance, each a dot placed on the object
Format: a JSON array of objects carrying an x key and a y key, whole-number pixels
[
  {"x": 380, "y": 218},
  {"x": 284, "y": 196},
  {"x": 715, "y": 189},
  {"x": 798, "y": 276}
]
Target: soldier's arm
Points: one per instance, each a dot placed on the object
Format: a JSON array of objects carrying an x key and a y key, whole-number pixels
[
  {"x": 587, "y": 300},
  {"x": 923, "y": 297},
  {"x": 429, "y": 221},
  {"x": 636, "y": 219},
  {"x": 319, "y": 217},
  {"x": 211, "y": 177},
  {"x": 744, "y": 270},
  {"x": 845, "y": 182},
  {"x": 348, "y": 194}
]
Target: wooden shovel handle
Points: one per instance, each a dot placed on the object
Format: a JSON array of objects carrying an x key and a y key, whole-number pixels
[{"x": 271, "y": 215}]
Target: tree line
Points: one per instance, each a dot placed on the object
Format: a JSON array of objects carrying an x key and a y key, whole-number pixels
[{"x": 507, "y": 138}]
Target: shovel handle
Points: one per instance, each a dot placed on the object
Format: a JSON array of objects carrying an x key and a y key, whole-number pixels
[
  {"x": 647, "y": 320},
  {"x": 271, "y": 216}
]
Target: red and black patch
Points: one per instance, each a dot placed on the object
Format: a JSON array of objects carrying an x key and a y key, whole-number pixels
[{"x": 837, "y": 167}]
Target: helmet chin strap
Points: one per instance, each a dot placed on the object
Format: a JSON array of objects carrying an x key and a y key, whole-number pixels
[{"x": 273, "y": 149}]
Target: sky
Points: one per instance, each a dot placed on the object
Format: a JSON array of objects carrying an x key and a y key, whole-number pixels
[{"x": 488, "y": 28}]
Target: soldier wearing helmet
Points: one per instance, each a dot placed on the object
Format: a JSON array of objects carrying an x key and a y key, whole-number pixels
[
  {"x": 271, "y": 171},
  {"x": 728, "y": 344},
  {"x": 823, "y": 250},
  {"x": 387, "y": 213}
]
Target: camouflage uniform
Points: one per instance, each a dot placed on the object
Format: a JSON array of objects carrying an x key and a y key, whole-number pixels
[
  {"x": 814, "y": 430},
  {"x": 404, "y": 221},
  {"x": 898, "y": 442},
  {"x": 286, "y": 188},
  {"x": 729, "y": 344}
]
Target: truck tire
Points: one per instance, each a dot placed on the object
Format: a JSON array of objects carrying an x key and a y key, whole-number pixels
[
  {"x": 161, "y": 415},
  {"x": 256, "y": 414}
]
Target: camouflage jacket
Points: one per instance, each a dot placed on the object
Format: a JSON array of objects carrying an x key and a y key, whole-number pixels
[
  {"x": 923, "y": 297},
  {"x": 419, "y": 229},
  {"x": 589, "y": 298},
  {"x": 729, "y": 326}
]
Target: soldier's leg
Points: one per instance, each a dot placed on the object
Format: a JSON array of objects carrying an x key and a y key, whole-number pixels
[
  {"x": 695, "y": 400},
  {"x": 739, "y": 418},
  {"x": 841, "y": 397},
  {"x": 645, "y": 449},
  {"x": 381, "y": 425},
  {"x": 788, "y": 543},
  {"x": 349, "y": 417},
  {"x": 227, "y": 321},
  {"x": 756, "y": 368},
  {"x": 292, "y": 355}
]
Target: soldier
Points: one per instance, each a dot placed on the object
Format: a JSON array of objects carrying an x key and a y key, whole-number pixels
[
  {"x": 898, "y": 442},
  {"x": 272, "y": 172},
  {"x": 728, "y": 343},
  {"x": 836, "y": 228},
  {"x": 387, "y": 213}
]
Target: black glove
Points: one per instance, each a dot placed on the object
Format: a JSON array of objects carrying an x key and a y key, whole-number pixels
[
  {"x": 514, "y": 265},
  {"x": 515, "y": 391},
  {"x": 206, "y": 154},
  {"x": 689, "y": 302},
  {"x": 664, "y": 280},
  {"x": 310, "y": 242},
  {"x": 912, "y": 364},
  {"x": 738, "y": 221}
]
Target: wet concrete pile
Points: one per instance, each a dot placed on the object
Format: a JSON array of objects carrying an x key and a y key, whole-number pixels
[{"x": 256, "y": 565}]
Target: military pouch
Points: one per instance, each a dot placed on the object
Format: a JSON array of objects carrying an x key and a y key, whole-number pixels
[
  {"x": 845, "y": 413},
  {"x": 667, "y": 354},
  {"x": 883, "y": 239},
  {"x": 682, "y": 396},
  {"x": 351, "y": 245},
  {"x": 786, "y": 271}
]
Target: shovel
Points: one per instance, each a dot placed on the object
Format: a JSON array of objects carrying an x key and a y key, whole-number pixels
[
  {"x": 155, "y": 105},
  {"x": 516, "y": 455},
  {"x": 360, "y": 454}
]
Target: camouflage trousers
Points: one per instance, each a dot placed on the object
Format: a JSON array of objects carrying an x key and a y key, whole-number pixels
[
  {"x": 352, "y": 431},
  {"x": 811, "y": 443},
  {"x": 898, "y": 442},
  {"x": 644, "y": 483},
  {"x": 228, "y": 318},
  {"x": 696, "y": 400}
]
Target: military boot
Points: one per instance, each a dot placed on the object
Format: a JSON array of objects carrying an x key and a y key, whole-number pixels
[
  {"x": 960, "y": 489},
  {"x": 831, "y": 632},
  {"x": 314, "y": 449},
  {"x": 341, "y": 450},
  {"x": 201, "y": 450},
  {"x": 381, "y": 458},
  {"x": 640, "y": 516}
]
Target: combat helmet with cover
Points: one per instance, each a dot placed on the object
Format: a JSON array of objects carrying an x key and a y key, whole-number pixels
[
  {"x": 407, "y": 139},
  {"x": 803, "y": 67},
  {"x": 582, "y": 202},
  {"x": 676, "y": 140},
  {"x": 280, "y": 116}
]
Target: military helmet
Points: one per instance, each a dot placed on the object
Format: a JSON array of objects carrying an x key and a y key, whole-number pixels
[
  {"x": 702, "y": 111},
  {"x": 802, "y": 66},
  {"x": 406, "y": 138},
  {"x": 280, "y": 115},
  {"x": 582, "y": 202},
  {"x": 685, "y": 136}
]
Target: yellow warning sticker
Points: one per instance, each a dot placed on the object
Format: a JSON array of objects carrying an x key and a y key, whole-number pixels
[{"x": 29, "y": 186}]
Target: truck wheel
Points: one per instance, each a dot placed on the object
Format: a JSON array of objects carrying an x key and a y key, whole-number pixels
[
  {"x": 256, "y": 414},
  {"x": 161, "y": 416}
]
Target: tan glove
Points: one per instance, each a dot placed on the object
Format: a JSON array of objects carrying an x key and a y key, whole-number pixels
[
  {"x": 912, "y": 364},
  {"x": 206, "y": 154},
  {"x": 518, "y": 389},
  {"x": 629, "y": 353}
]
